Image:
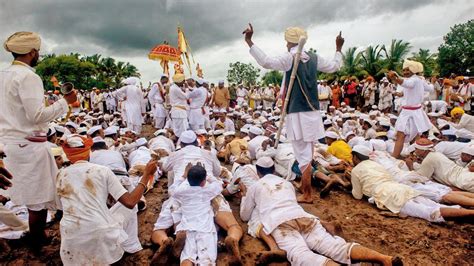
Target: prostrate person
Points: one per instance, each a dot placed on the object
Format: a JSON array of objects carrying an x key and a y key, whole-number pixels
[
  {"x": 23, "y": 127},
  {"x": 304, "y": 124},
  {"x": 412, "y": 120},
  {"x": 299, "y": 233}
]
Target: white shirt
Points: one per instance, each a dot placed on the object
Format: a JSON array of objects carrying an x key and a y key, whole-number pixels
[
  {"x": 275, "y": 200},
  {"x": 451, "y": 149},
  {"x": 109, "y": 158},
  {"x": 414, "y": 88},
  {"x": 439, "y": 106},
  {"x": 198, "y": 97},
  {"x": 88, "y": 226},
  {"x": 254, "y": 144},
  {"x": 22, "y": 108},
  {"x": 177, "y": 96}
]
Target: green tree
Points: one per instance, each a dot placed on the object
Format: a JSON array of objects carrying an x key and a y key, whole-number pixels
[
  {"x": 429, "y": 61},
  {"x": 456, "y": 54},
  {"x": 272, "y": 77},
  {"x": 242, "y": 73},
  {"x": 371, "y": 60},
  {"x": 352, "y": 63},
  {"x": 393, "y": 60}
]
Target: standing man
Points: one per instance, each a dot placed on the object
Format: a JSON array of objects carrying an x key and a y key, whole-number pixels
[
  {"x": 324, "y": 95},
  {"x": 133, "y": 104},
  {"x": 221, "y": 96},
  {"x": 412, "y": 119},
  {"x": 198, "y": 97},
  {"x": 304, "y": 124},
  {"x": 23, "y": 126},
  {"x": 179, "y": 105},
  {"x": 242, "y": 95},
  {"x": 157, "y": 99}
]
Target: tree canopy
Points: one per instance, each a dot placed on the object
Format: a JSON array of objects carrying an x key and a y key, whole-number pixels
[
  {"x": 272, "y": 77},
  {"x": 85, "y": 72},
  {"x": 240, "y": 73}
]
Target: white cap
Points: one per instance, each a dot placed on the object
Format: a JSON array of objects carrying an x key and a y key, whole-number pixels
[
  {"x": 110, "y": 130},
  {"x": 468, "y": 150},
  {"x": 51, "y": 131},
  {"x": 141, "y": 141},
  {"x": 448, "y": 132},
  {"x": 229, "y": 133},
  {"x": 201, "y": 131},
  {"x": 81, "y": 131},
  {"x": 256, "y": 130},
  {"x": 218, "y": 132},
  {"x": 72, "y": 124},
  {"x": 327, "y": 122},
  {"x": 331, "y": 134},
  {"x": 348, "y": 134},
  {"x": 265, "y": 162},
  {"x": 93, "y": 129},
  {"x": 244, "y": 130},
  {"x": 159, "y": 132},
  {"x": 187, "y": 137},
  {"x": 362, "y": 149},
  {"x": 74, "y": 141},
  {"x": 98, "y": 139},
  {"x": 378, "y": 144}
]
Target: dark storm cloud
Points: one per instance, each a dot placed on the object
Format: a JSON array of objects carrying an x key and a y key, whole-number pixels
[{"x": 128, "y": 28}]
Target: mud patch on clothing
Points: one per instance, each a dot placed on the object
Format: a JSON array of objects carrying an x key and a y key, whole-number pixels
[{"x": 90, "y": 186}]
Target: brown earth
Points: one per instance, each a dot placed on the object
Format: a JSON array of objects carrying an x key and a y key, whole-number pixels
[{"x": 417, "y": 241}]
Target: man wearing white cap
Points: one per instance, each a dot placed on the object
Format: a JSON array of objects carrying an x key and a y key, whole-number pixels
[
  {"x": 304, "y": 124},
  {"x": 467, "y": 155},
  {"x": 157, "y": 100},
  {"x": 297, "y": 232},
  {"x": 412, "y": 119},
  {"x": 385, "y": 95},
  {"x": 179, "y": 105},
  {"x": 198, "y": 97},
  {"x": 242, "y": 95},
  {"x": 175, "y": 165},
  {"x": 23, "y": 125},
  {"x": 438, "y": 167},
  {"x": 133, "y": 105}
]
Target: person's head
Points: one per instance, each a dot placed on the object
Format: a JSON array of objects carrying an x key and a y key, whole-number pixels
[
  {"x": 331, "y": 136},
  {"x": 188, "y": 138},
  {"x": 164, "y": 79},
  {"x": 457, "y": 112},
  {"x": 293, "y": 35},
  {"x": 360, "y": 153},
  {"x": 178, "y": 79},
  {"x": 197, "y": 176},
  {"x": 221, "y": 84},
  {"x": 229, "y": 136},
  {"x": 24, "y": 46},
  {"x": 366, "y": 125},
  {"x": 191, "y": 83},
  {"x": 411, "y": 68},
  {"x": 98, "y": 144},
  {"x": 467, "y": 154},
  {"x": 423, "y": 147},
  {"x": 265, "y": 166}
]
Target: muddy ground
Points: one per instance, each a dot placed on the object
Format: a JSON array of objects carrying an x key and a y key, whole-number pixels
[{"x": 417, "y": 241}]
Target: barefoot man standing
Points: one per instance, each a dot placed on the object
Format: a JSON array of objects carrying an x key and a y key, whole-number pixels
[{"x": 304, "y": 124}]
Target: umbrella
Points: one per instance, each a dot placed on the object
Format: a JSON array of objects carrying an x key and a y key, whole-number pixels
[{"x": 164, "y": 53}]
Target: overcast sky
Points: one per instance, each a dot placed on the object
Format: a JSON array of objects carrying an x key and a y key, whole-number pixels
[{"x": 127, "y": 30}]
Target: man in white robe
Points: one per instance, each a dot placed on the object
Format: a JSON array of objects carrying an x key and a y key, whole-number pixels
[
  {"x": 198, "y": 97},
  {"x": 157, "y": 100},
  {"x": 179, "y": 105},
  {"x": 242, "y": 95},
  {"x": 304, "y": 123},
  {"x": 133, "y": 104},
  {"x": 23, "y": 127}
]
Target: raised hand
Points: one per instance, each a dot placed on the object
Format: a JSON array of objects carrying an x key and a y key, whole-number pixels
[
  {"x": 339, "y": 42},
  {"x": 248, "y": 32}
]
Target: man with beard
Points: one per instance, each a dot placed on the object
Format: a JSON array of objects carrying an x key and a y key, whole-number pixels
[{"x": 23, "y": 126}]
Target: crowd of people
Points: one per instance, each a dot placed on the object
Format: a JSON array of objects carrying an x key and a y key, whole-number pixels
[{"x": 405, "y": 143}]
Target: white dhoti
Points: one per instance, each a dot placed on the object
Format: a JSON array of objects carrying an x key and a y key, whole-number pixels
[
  {"x": 323, "y": 105},
  {"x": 34, "y": 173},
  {"x": 196, "y": 119},
  {"x": 303, "y": 130},
  {"x": 170, "y": 215},
  {"x": 412, "y": 123},
  {"x": 179, "y": 121},
  {"x": 159, "y": 115},
  {"x": 302, "y": 238},
  {"x": 432, "y": 190},
  {"x": 240, "y": 100},
  {"x": 200, "y": 248},
  {"x": 130, "y": 225},
  {"x": 424, "y": 208}
]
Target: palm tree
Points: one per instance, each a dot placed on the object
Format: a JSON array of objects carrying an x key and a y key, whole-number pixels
[
  {"x": 371, "y": 60},
  {"x": 399, "y": 49},
  {"x": 351, "y": 63},
  {"x": 429, "y": 61}
]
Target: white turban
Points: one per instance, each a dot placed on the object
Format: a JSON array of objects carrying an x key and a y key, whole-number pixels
[
  {"x": 293, "y": 34},
  {"x": 265, "y": 162},
  {"x": 131, "y": 81},
  {"x": 187, "y": 137},
  {"x": 22, "y": 42},
  {"x": 413, "y": 66},
  {"x": 362, "y": 149},
  {"x": 468, "y": 150}
]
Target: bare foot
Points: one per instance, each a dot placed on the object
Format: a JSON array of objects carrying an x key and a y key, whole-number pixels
[
  {"x": 232, "y": 246},
  {"x": 304, "y": 199},
  {"x": 267, "y": 257},
  {"x": 325, "y": 191},
  {"x": 161, "y": 255},
  {"x": 178, "y": 244}
]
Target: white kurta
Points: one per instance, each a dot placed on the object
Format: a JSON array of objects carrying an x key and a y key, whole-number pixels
[
  {"x": 90, "y": 232},
  {"x": 157, "y": 101},
  {"x": 179, "y": 107},
  {"x": 306, "y": 127},
  {"x": 198, "y": 98},
  {"x": 133, "y": 106},
  {"x": 22, "y": 111}
]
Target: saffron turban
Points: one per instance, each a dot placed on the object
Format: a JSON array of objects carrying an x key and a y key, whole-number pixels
[
  {"x": 76, "y": 152},
  {"x": 177, "y": 78},
  {"x": 457, "y": 111},
  {"x": 424, "y": 144},
  {"x": 22, "y": 42},
  {"x": 293, "y": 34},
  {"x": 413, "y": 66}
]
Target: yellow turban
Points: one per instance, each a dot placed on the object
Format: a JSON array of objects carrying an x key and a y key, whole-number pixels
[
  {"x": 457, "y": 111},
  {"x": 413, "y": 66},
  {"x": 22, "y": 42},
  {"x": 177, "y": 78},
  {"x": 293, "y": 34}
]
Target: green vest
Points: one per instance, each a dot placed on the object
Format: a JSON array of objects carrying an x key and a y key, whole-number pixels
[{"x": 307, "y": 73}]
